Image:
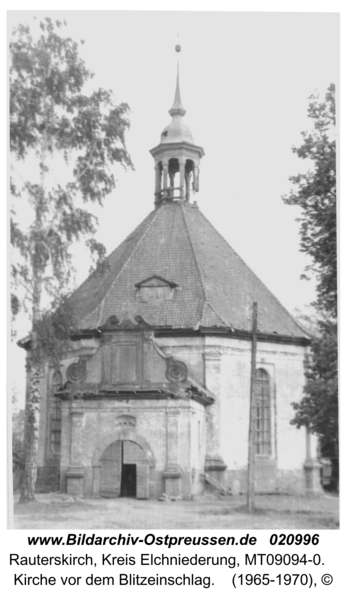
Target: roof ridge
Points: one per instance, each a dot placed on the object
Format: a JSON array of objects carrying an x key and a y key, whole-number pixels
[
  {"x": 114, "y": 251},
  {"x": 144, "y": 234},
  {"x": 206, "y": 300},
  {"x": 253, "y": 273},
  {"x": 209, "y": 303},
  {"x": 98, "y": 309},
  {"x": 195, "y": 257}
]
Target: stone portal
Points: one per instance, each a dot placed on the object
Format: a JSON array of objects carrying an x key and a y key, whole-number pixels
[
  {"x": 121, "y": 466},
  {"x": 124, "y": 471}
]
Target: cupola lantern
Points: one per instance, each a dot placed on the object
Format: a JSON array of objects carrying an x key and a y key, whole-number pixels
[{"x": 176, "y": 158}]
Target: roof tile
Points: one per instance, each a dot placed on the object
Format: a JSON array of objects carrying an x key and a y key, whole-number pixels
[{"x": 215, "y": 288}]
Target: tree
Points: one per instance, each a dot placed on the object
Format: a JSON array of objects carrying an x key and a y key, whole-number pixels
[
  {"x": 315, "y": 193},
  {"x": 52, "y": 120},
  {"x": 318, "y": 410},
  {"x": 18, "y": 455}
]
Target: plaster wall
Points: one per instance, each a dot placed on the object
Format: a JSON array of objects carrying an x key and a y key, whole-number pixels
[
  {"x": 78, "y": 349},
  {"x": 223, "y": 365},
  {"x": 231, "y": 383},
  {"x": 98, "y": 421}
]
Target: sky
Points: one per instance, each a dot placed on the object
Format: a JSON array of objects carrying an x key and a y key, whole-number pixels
[{"x": 245, "y": 81}]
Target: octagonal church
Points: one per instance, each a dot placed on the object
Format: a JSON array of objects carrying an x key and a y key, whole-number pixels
[{"x": 154, "y": 395}]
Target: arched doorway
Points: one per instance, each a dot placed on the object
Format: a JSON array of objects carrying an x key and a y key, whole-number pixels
[{"x": 121, "y": 467}]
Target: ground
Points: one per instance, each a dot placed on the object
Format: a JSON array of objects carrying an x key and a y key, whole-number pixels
[{"x": 58, "y": 511}]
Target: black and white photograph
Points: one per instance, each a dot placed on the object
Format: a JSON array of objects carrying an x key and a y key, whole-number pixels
[{"x": 173, "y": 361}]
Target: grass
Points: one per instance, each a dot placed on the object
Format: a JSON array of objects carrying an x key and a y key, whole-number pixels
[{"x": 58, "y": 511}]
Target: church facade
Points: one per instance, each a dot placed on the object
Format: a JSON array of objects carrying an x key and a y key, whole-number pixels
[{"x": 154, "y": 394}]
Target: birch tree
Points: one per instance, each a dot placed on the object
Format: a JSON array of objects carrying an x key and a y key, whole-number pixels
[{"x": 52, "y": 119}]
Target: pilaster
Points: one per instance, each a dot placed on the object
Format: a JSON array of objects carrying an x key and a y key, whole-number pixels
[
  {"x": 172, "y": 473},
  {"x": 75, "y": 472},
  {"x": 213, "y": 461},
  {"x": 312, "y": 468}
]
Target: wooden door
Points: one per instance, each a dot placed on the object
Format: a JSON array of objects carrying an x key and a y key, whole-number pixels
[{"x": 110, "y": 471}]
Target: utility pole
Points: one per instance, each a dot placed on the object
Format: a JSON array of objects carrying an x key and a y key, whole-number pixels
[{"x": 251, "y": 436}]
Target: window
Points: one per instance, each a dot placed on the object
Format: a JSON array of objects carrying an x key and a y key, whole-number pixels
[
  {"x": 56, "y": 427},
  {"x": 262, "y": 413},
  {"x": 155, "y": 289},
  {"x": 56, "y": 414}
]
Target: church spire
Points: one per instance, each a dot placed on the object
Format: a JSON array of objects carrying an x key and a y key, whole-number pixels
[
  {"x": 176, "y": 157},
  {"x": 177, "y": 108}
]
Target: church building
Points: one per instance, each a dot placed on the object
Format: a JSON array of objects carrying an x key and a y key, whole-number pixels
[{"x": 154, "y": 396}]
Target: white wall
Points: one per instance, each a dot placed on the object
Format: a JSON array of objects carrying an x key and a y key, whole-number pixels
[{"x": 285, "y": 365}]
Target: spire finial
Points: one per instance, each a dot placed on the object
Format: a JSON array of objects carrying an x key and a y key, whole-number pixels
[{"x": 177, "y": 108}]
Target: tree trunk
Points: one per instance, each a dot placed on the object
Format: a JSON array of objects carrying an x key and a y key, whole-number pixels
[
  {"x": 32, "y": 414},
  {"x": 32, "y": 409},
  {"x": 34, "y": 368}
]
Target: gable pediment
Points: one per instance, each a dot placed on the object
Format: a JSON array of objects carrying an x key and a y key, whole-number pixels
[
  {"x": 129, "y": 363},
  {"x": 155, "y": 288},
  {"x": 155, "y": 281}
]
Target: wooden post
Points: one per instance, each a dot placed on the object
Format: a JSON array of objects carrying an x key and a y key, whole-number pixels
[
  {"x": 165, "y": 174},
  {"x": 251, "y": 436},
  {"x": 157, "y": 181},
  {"x": 182, "y": 177}
]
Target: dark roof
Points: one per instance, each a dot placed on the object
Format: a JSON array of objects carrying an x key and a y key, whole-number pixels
[{"x": 215, "y": 288}]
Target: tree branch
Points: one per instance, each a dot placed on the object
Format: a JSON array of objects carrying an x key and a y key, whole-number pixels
[
  {"x": 78, "y": 177},
  {"x": 19, "y": 282}
]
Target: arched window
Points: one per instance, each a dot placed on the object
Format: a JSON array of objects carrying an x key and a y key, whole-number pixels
[{"x": 262, "y": 413}]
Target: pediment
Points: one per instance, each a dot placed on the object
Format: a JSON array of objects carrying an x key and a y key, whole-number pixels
[
  {"x": 155, "y": 281},
  {"x": 130, "y": 364},
  {"x": 155, "y": 289}
]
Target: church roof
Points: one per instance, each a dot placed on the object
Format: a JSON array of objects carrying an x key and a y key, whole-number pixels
[
  {"x": 176, "y": 271},
  {"x": 176, "y": 132}
]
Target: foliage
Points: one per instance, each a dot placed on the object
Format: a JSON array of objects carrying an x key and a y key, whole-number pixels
[
  {"x": 315, "y": 193},
  {"x": 52, "y": 122},
  {"x": 53, "y": 333},
  {"x": 18, "y": 453},
  {"x": 318, "y": 410},
  {"x": 309, "y": 320},
  {"x": 51, "y": 116}
]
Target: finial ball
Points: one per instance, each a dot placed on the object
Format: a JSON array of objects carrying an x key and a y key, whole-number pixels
[{"x": 178, "y": 48}]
